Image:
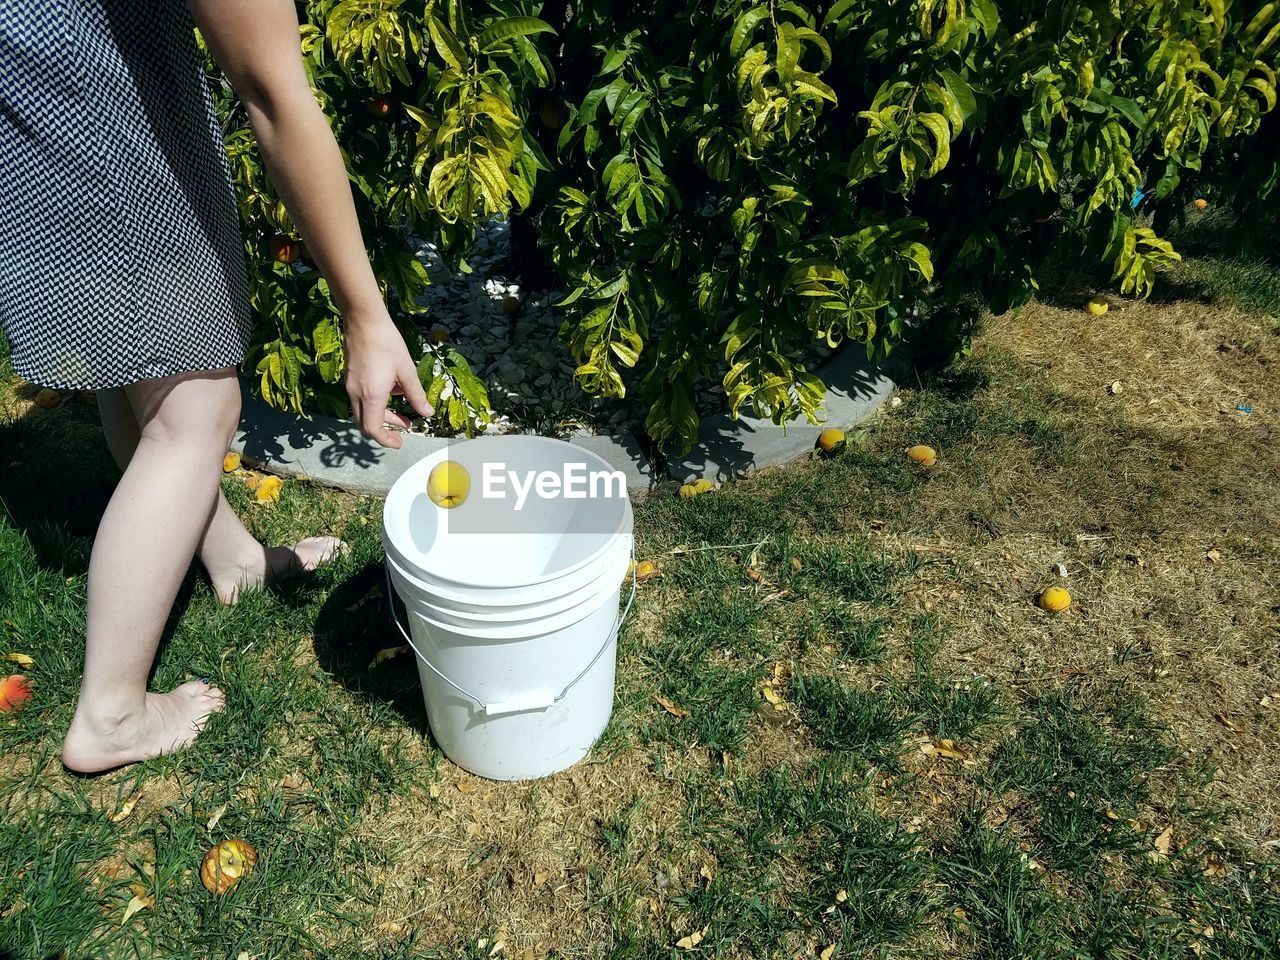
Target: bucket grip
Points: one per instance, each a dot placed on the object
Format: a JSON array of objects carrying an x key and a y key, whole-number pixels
[{"x": 520, "y": 702}]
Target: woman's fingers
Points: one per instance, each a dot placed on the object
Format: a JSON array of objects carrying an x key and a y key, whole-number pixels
[
  {"x": 411, "y": 386},
  {"x": 397, "y": 419},
  {"x": 372, "y": 414}
]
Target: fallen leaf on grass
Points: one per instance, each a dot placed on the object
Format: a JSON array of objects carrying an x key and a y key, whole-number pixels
[
  {"x": 1213, "y": 555},
  {"x": 387, "y": 654},
  {"x": 827, "y": 953},
  {"x": 231, "y": 462},
  {"x": 134, "y": 905},
  {"x": 691, "y": 941},
  {"x": 707, "y": 873},
  {"x": 1213, "y": 867},
  {"x": 126, "y": 808},
  {"x": 946, "y": 748},
  {"x": 670, "y": 707},
  {"x": 774, "y": 697},
  {"x": 21, "y": 659},
  {"x": 797, "y": 564},
  {"x": 466, "y": 788},
  {"x": 1227, "y": 722},
  {"x": 1163, "y": 843},
  {"x": 291, "y": 781},
  {"x": 540, "y": 877},
  {"x": 433, "y": 791},
  {"x": 217, "y": 816},
  {"x": 268, "y": 489}
]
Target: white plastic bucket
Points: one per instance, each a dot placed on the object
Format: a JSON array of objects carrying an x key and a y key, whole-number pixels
[{"x": 513, "y": 613}]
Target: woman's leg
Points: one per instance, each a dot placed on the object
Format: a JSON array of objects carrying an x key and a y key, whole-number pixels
[
  {"x": 145, "y": 543},
  {"x": 234, "y": 560}
]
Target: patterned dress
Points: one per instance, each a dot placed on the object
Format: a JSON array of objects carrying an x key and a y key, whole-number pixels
[{"x": 120, "y": 249}]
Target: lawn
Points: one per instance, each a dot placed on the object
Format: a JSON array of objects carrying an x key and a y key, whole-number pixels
[{"x": 843, "y": 728}]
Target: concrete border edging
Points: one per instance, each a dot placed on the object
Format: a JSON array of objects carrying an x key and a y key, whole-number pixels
[{"x": 335, "y": 453}]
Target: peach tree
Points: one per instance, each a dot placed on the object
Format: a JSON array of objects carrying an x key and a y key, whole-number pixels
[{"x": 720, "y": 187}]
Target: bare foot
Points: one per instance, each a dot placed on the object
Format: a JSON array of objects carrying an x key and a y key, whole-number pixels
[
  {"x": 276, "y": 564},
  {"x": 165, "y": 723}
]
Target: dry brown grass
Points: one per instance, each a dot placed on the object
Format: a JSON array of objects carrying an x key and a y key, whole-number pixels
[{"x": 1164, "y": 508}]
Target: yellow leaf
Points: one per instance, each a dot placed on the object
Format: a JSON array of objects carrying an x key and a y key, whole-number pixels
[
  {"x": 231, "y": 462},
  {"x": 126, "y": 808},
  {"x": 387, "y": 654},
  {"x": 268, "y": 489},
  {"x": 796, "y": 564},
  {"x": 217, "y": 815},
  {"x": 134, "y": 905},
  {"x": 841, "y": 896},
  {"x": 21, "y": 659},
  {"x": 433, "y": 791},
  {"x": 945, "y": 748},
  {"x": 827, "y": 953},
  {"x": 1213, "y": 555},
  {"x": 691, "y": 941},
  {"x": 773, "y": 696},
  {"x": 707, "y": 873},
  {"x": 540, "y": 877},
  {"x": 1226, "y": 721},
  {"x": 1164, "y": 842},
  {"x": 670, "y": 707},
  {"x": 466, "y": 788}
]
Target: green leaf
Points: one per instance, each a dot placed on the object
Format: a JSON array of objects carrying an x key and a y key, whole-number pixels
[
  {"x": 740, "y": 38},
  {"x": 505, "y": 29},
  {"x": 960, "y": 89},
  {"x": 446, "y": 44}
]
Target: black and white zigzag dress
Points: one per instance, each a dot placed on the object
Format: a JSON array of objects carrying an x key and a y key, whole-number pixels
[{"x": 120, "y": 249}]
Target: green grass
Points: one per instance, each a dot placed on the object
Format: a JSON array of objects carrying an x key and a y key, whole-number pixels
[{"x": 888, "y": 606}]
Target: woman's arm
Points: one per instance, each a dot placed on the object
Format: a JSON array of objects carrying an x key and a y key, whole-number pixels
[{"x": 257, "y": 46}]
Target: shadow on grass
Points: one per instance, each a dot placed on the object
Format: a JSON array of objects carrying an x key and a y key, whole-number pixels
[{"x": 355, "y": 623}]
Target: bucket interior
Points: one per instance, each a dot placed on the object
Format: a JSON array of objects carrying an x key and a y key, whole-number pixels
[{"x": 495, "y": 538}]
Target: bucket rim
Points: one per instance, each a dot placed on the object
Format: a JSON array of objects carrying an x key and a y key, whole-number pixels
[{"x": 624, "y": 527}]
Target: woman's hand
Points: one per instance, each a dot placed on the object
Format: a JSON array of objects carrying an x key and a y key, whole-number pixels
[{"x": 379, "y": 367}]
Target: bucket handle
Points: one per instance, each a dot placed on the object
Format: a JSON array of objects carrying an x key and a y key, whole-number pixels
[{"x": 534, "y": 699}]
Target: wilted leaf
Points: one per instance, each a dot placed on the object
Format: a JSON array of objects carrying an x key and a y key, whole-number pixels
[
  {"x": 827, "y": 953},
  {"x": 1164, "y": 841},
  {"x": 134, "y": 905},
  {"x": 946, "y": 748},
  {"x": 291, "y": 781},
  {"x": 670, "y": 707},
  {"x": 231, "y": 462},
  {"x": 1213, "y": 555},
  {"x": 691, "y": 941},
  {"x": 217, "y": 816},
  {"x": 268, "y": 489},
  {"x": 126, "y": 808},
  {"x": 466, "y": 788},
  {"x": 755, "y": 574},
  {"x": 1214, "y": 867},
  {"x": 21, "y": 659},
  {"x": 1227, "y": 722},
  {"x": 540, "y": 877},
  {"x": 433, "y": 791},
  {"x": 796, "y": 564},
  {"x": 387, "y": 653},
  {"x": 706, "y": 872},
  {"x": 772, "y": 695}
]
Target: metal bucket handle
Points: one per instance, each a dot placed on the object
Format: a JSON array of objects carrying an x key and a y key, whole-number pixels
[{"x": 535, "y": 699}]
